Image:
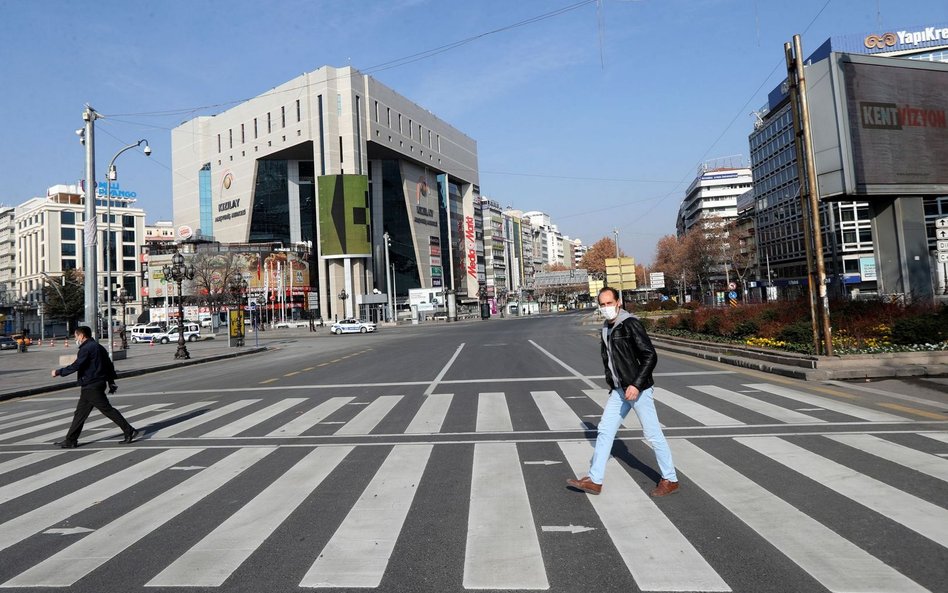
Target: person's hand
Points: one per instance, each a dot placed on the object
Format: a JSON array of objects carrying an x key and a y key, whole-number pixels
[
  {"x": 631, "y": 393},
  {"x": 54, "y": 372},
  {"x": 112, "y": 388}
]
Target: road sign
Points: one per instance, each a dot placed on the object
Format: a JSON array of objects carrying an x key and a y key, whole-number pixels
[
  {"x": 943, "y": 257},
  {"x": 732, "y": 285},
  {"x": 942, "y": 223},
  {"x": 942, "y": 245}
]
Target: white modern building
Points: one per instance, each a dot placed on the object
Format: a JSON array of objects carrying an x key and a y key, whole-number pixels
[
  {"x": 712, "y": 196},
  {"x": 49, "y": 235},
  {"x": 7, "y": 255},
  {"x": 335, "y": 160}
]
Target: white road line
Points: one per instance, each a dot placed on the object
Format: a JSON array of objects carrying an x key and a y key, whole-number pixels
[
  {"x": 310, "y": 418},
  {"x": 938, "y": 436},
  {"x": 210, "y": 561},
  {"x": 248, "y": 421},
  {"x": 556, "y": 412},
  {"x": 575, "y": 373},
  {"x": 430, "y": 416},
  {"x": 923, "y": 517},
  {"x": 51, "y": 476},
  {"x": 66, "y": 567},
  {"x": 503, "y": 549},
  {"x": 434, "y": 384},
  {"x": 920, "y": 461},
  {"x": 657, "y": 554},
  {"x": 99, "y": 422},
  {"x": 700, "y": 413},
  {"x": 369, "y": 418},
  {"x": 27, "y": 524},
  {"x": 828, "y": 403},
  {"x": 835, "y": 562},
  {"x": 61, "y": 423},
  {"x": 28, "y": 459},
  {"x": 144, "y": 423},
  {"x": 601, "y": 396},
  {"x": 180, "y": 427},
  {"x": 918, "y": 400},
  {"x": 755, "y": 405},
  {"x": 359, "y": 552},
  {"x": 492, "y": 413},
  {"x": 33, "y": 417}
]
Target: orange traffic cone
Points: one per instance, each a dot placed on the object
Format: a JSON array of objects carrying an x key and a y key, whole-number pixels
[
  {"x": 65, "y": 343},
  {"x": 52, "y": 342}
]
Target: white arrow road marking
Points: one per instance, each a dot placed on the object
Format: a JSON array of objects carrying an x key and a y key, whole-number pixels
[
  {"x": 188, "y": 467},
  {"x": 570, "y": 528},
  {"x": 67, "y": 530},
  {"x": 544, "y": 462}
]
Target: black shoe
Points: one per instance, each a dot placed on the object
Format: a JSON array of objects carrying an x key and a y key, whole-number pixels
[
  {"x": 67, "y": 444},
  {"x": 131, "y": 436}
]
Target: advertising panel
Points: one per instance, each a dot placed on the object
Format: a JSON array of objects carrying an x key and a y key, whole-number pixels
[
  {"x": 344, "y": 215},
  {"x": 420, "y": 189}
]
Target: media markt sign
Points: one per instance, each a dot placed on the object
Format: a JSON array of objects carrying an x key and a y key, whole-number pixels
[{"x": 941, "y": 239}]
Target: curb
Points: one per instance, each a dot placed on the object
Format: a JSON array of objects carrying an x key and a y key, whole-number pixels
[{"x": 132, "y": 373}]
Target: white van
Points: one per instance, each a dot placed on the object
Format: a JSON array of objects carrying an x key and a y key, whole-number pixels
[
  {"x": 192, "y": 333},
  {"x": 143, "y": 333}
]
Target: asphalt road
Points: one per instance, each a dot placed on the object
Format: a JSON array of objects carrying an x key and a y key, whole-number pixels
[{"x": 434, "y": 458}]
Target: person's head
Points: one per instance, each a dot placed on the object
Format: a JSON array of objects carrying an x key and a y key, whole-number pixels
[
  {"x": 83, "y": 333},
  {"x": 609, "y": 303}
]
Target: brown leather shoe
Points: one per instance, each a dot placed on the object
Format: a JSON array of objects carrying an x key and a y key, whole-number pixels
[
  {"x": 586, "y": 485},
  {"x": 665, "y": 488}
]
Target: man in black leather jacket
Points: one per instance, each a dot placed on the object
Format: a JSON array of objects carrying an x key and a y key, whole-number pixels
[
  {"x": 629, "y": 359},
  {"x": 95, "y": 371}
]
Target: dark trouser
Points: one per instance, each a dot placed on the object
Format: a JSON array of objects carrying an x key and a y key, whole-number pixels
[{"x": 93, "y": 396}]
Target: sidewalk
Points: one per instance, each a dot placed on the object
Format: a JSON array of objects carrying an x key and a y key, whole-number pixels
[{"x": 28, "y": 373}]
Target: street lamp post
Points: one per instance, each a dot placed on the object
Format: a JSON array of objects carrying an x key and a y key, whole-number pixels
[
  {"x": 239, "y": 286},
  {"x": 110, "y": 177},
  {"x": 343, "y": 295},
  {"x": 124, "y": 298},
  {"x": 179, "y": 272},
  {"x": 388, "y": 280}
]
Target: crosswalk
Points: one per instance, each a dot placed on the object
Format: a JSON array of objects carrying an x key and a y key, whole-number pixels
[{"x": 262, "y": 445}]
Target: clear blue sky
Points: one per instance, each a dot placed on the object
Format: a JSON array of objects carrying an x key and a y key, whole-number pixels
[{"x": 598, "y": 116}]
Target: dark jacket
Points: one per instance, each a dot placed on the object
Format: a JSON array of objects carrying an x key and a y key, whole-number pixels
[
  {"x": 633, "y": 355},
  {"x": 92, "y": 363}
]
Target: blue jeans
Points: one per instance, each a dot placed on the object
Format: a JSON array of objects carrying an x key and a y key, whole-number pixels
[{"x": 614, "y": 412}]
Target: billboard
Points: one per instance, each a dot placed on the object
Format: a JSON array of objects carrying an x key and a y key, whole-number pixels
[
  {"x": 879, "y": 125},
  {"x": 344, "y": 215}
]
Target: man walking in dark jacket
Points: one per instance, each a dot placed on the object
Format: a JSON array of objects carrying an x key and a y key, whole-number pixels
[
  {"x": 95, "y": 371},
  {"x": 629, "y": 359}
]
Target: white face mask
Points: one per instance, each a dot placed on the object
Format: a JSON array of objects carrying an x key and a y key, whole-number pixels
[
  {"x": 610, "y": 312},
  {"x": 78, "y": 342}
]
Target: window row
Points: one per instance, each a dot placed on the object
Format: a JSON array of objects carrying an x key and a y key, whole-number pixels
[{"x": 256, "y": 126}]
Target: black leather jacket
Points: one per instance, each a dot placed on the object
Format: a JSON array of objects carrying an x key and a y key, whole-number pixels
[{"x": 632, "y": 354}]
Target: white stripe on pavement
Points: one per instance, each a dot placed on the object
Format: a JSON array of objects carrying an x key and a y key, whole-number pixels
[
  {"x": 938, "y": 436},
  {"x": 700, "y": 413},
  {"x": 310, "y": 418},
  {"x": 835, "y": 562},
  {"x": 358, "y": 553},
  {"x": 923, "y": 517},
  {"x": 503, "y": 550},
  {"x": 556, "y": 412},
  {"x": 99, "y": 422},
  {"x": 657, "y": 554},
  {"x": 33, "y": 417},
  {"x": 576, "y": 374},
  {"x": 370, "y": 417},
  {"x": 920, "y": 461},
  {"x": 66, "y": 567},
  {"x": 827, "y": 403},
  {"x": 28, "y": 459},
  {"x": 430, "y": 416},
  {"x": 248, "y": 421},
  {"x": 27, "y": 524},
  {"x": 756, "y": 405},
  {"x": 61, "y": 423},
  {"x": 180, "y": 427},
  {"x": 221, "y": 552},
  {"x": 53, "y": 475},
  {"x": 492, "y": 413}
]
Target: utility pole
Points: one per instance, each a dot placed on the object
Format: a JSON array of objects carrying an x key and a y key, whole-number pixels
[
  {"x": 615, "y": 232},
  {"x": 91, "y": 232},
  {"x": 388, "y": 279}
]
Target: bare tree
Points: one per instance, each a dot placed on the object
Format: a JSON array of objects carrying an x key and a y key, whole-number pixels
[
  {"x": 741, "y": 253},
  {"x": 669, "y": 259},
  {"x": 214, "y": 275}
]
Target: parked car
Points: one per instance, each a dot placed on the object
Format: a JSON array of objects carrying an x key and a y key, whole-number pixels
[
  {"x": 350, "y": 326},
  {"x": 192, "y": 333},
  {"x": 7, "y": 343}
]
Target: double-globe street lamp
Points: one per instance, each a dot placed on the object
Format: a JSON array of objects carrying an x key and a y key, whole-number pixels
[
  {"x": 124, "y": 298},
  {"x": 22, "y": 306},
  {"x": 179, "y": 272},
  {"x": 110, "y": 177}
]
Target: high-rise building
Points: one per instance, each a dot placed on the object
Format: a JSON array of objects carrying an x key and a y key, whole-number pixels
[
  {"x": 711, "y": 199},
  {"x": 848, "y": 246},
  {"x": 333, "y": 159}
]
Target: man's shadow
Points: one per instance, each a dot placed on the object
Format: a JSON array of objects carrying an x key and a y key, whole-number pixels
[{"x": 620, "y": 450}]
